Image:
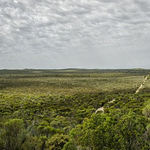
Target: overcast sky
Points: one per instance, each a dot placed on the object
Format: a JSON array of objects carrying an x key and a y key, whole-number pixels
[{"x": 74, "y": 34}]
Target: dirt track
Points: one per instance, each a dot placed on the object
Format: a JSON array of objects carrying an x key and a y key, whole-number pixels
[{"x": 141, "y": 86}]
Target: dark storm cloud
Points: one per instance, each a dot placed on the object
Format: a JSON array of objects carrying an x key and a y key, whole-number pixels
[{"x": 71, "y": 33}]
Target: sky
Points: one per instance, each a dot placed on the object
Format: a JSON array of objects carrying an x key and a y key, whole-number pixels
[{"x": 50, "y": 34}]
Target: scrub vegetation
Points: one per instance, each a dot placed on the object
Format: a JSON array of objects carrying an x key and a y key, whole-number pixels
[{"x": 55, "y": 110}]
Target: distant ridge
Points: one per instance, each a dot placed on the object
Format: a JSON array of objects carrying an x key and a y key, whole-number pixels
[{"x": 138, "y": 68}]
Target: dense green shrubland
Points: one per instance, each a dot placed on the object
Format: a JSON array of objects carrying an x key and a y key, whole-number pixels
[
  {"x": 33, "y": 120},
  {"x": 49, "y": 119}
]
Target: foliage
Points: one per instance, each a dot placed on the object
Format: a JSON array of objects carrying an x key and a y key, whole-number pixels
[
  {"x": 13, "y": 135},
  {"x": 69, "y": 146},
  {"x": 103, "y": 131},
  {"x": 55, "y": 109},
  {"x": 57, "y": 142}
]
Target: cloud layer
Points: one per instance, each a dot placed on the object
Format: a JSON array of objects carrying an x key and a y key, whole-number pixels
[{"x": 74, "y": 33}]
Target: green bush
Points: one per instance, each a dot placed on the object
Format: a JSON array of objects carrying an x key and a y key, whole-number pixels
[
  {"x": 69, "y": 146},
  {"x": 57, "y": 142},
  {"x": 13, "y": 134},
  {"x": 146, "y": 110}
]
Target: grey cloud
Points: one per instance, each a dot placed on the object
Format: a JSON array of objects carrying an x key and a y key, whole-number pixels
[
  {"x": 71, "y": 33},
  {"x": 144, "y": 5}
]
